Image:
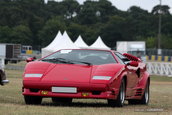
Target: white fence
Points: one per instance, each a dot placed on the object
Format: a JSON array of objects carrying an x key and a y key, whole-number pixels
[{"x": 159, "y": 68}]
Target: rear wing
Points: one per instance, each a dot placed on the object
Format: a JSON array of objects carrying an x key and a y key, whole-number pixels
[{"x": 131, "y": 57}]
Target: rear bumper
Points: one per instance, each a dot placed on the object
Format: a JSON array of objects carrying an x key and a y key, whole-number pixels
[
  {"x": 101, "y": 95},
  {"x": 3, "y": 82}
]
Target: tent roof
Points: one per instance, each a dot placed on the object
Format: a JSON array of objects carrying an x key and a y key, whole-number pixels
[
  {"x": 80, "y": 42},
  {"x": 64, "y": 43},
  {"x": 99, "y": 44},
  {"x": 60, "y": 42},
  {"x": 55, "y": 41}
]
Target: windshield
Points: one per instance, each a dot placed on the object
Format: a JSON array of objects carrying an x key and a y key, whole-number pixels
[{"x": 92, "y": 57}]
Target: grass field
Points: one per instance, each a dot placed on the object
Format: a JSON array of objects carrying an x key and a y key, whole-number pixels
[{"x": 12, "y": 103}]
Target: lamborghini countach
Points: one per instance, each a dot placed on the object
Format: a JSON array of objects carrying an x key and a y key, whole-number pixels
[{"x": 87, "y": 74}]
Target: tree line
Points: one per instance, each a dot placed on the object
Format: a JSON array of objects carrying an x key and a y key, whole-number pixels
[{"x": 32, "y": 22}]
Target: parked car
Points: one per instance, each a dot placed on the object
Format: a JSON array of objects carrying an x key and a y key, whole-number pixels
[
  {"x": 3, "y": 79},
  {"x": 87, "y": 73}
]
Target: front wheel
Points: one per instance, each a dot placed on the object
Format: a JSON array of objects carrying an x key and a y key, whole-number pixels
[
  {"x": 119, "y": 102},
  {"x": 33, "y": 100}
]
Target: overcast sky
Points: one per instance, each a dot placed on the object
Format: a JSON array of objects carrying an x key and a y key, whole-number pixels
[{"x": 144, "y": 4}]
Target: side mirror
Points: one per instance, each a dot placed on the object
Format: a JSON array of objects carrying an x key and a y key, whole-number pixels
[
  {"x": 133, "y": 63},
  {"x": 30, "y": 59}
]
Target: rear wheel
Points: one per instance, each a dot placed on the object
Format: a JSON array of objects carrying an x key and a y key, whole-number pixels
[
  {"x": 59, "y": 100},
  {"x": 145, "y": 98},
  {"x": 119, "y": 102},
  {"x": 2, "y": 75},
  {"x": 1, "y": 79},
  {"x": 35, "y": 100}
]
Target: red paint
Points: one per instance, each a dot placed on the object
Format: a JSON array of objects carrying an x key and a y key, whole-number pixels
[{"x": 80, "y": 76}]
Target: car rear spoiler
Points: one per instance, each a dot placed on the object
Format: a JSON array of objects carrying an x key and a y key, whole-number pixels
[{"x": 131, "y": 57}]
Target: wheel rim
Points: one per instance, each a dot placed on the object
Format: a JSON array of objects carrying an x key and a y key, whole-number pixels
[
  {"x": 146, "y": 94},
  {"x": 122, "y": 93}
]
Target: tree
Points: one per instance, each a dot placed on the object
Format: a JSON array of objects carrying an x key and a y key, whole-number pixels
[
  {"x": 10, "y": 16},
  {"x": 74, "y": 30},
  {"x": 164, "y": 9},
  {"x": 38, "y": 23},
  {"x": 72, "y": 8},
  {"x": 5, "y": 34},
  {"x": 49, "y": 31},
  {"x": 166, "y": 42},
  {"x": 137, "y": 12},
  {"x": 106, "y": 10},
  {"x": 113, "y": 31},
  {"x": 87, "y": 14},
  {"x": 138, "y": 22},
  {"x": 21, "y": 34}
]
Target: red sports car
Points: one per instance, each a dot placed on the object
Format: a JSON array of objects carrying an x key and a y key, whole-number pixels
[{"x": 87, "y": 73}]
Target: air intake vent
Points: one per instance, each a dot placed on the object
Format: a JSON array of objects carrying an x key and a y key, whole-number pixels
[
  {"x": 34, "y": 90},
  {"x": 96, "y": 92}
]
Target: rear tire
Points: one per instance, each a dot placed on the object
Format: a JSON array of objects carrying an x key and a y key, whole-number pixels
[
  {"x": 145, "y": 98},
  {"x": 59, "y": 100},
  {"x": 119, "y": 102},
  {"x": 32, "y": 100},
  {"x": 1, "y": 79}
]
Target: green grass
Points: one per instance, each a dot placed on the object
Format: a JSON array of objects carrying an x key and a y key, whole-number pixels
[
  {"x": 161, "y": 78},
  {"x": 12, "y": 103}
]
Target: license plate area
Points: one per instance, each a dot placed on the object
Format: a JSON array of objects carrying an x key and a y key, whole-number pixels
[{"x": 64, "y": 89}]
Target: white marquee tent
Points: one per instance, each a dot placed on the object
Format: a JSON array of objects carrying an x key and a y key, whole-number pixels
[
  {"x": 80, "y": 43},
  {"x": 64, "y": 42},
  {"x": 59, "y": 42},
  {"x": 99, "y": 44},
  {"x": 57, "y": 39},
  {"x": 47, "y": 50}
]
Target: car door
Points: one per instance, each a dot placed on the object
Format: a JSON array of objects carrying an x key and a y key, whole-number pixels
[
  {"x": 132, "y": 75},
  {"x": 132, "y": 79}
]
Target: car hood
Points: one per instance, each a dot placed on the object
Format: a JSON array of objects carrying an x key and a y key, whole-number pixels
[{"x": 70, "y": 72}]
